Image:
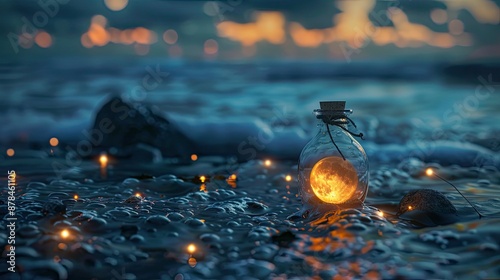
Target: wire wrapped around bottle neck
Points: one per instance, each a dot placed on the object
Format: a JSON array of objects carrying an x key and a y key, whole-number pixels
[{"x": 339, "y": 119}]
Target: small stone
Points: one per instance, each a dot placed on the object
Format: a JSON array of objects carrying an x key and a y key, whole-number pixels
[
  {"x": 426, "y": 200},
  {"x": 194, "y": 223},
  {"x": 210, "y": 238},
  {"x": 54, "y": 207},
  {"x": 128, "y": 230},
  {"x": 137, "y": 238},
  {"x": 158, "y": 220},
  {"x": 175, "y": 216},
  {"x": 427, "y": 207},
  {"x": 28, "y": 231},
  {"x": 133, "y": 199}
]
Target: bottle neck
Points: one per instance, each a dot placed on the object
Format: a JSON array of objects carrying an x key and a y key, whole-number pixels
[{"x": 322, "y": 125}]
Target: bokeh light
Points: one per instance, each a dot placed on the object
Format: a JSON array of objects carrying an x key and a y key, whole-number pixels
[
  {"x": 456, "y": 27},
  {"x": 10, "y": 152},
  {"x": 43, "y": 39},
  {"x": 439, "y": 16},
  {"x": 116, "y": 5},
  {"x": 170, "y": 37},
  {"x": 54, "y": 141},
  {"x": 211, "y": 47}
]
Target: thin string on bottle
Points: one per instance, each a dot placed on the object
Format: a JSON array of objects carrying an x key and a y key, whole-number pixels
[{"x": 337, "y": 121}]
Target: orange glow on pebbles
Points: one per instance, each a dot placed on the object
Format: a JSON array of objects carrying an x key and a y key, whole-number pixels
[
  {"x": 232, "y": 177},
  {"x": 267, "y": 162},
  {"x": 138, "y": 195},
  {"x": 203, "y": 179},
  {"x": 410, "y": 207},
  {"x": 194, "y": 157},
  {"x": 288, "y": 178},
  {"x": 75, "y": 197}
]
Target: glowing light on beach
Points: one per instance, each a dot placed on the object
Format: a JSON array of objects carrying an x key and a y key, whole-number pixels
[
  {"x": 429, "y": 172},
  {"x": 116, "y": 5},
  {"x": 288, "y": 178},
  {"x": 203, "y": 179},
  {"x": 10, "y": 152},
  {"x": 43, "y": 39},
  {"x": 380, "y": 214},
  {"x": 138, "y": 195},
  {"x": 75, "y": 197},
  {"x": 410, "y": 207},
  {"x": 267, "y": 162},
  {"x": 65, "y": 233},
  {"x": 103, "y": 159},
  {"x": 191, "y": 248},
  {"x": 232, "y": 177},
  {"x": 194, "y": 157},
  {"x": 54, "y": 141}
]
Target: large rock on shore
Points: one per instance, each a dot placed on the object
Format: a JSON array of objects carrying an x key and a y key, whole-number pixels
[{"x": 124, "y": 126}]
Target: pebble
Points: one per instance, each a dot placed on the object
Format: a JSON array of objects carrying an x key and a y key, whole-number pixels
[
  {"x": 28, "y": 231},
  {"x": 137, "y": 238},
  {"x": 194, "y": 222},
  {"x": 128, "y": 230},
  {"x": 175, "y": 216},
  {"x": 209, "y": 238},
  {"x": 158, "y": 220},
  {"x": 53, "y": 207}
]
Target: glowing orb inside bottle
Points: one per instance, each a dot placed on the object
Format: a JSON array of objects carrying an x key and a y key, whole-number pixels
[{"x": 334, "y": 180}]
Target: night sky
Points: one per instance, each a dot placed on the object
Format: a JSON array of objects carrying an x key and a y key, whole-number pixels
[{"x": 242, "y": 30}]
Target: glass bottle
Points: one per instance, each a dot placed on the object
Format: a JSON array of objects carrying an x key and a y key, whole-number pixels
[{"x": 333, "y": 167}]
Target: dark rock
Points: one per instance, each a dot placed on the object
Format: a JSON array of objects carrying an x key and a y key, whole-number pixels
[
  {"x": 284, "y": 239},
  {"x": 427, "y": 207},
  {"x": 128, "y": 230},
  {"x": 426, "y": 200},
  {"x": 54, "y": 207},
  {"x": 128, "y": 125}
]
